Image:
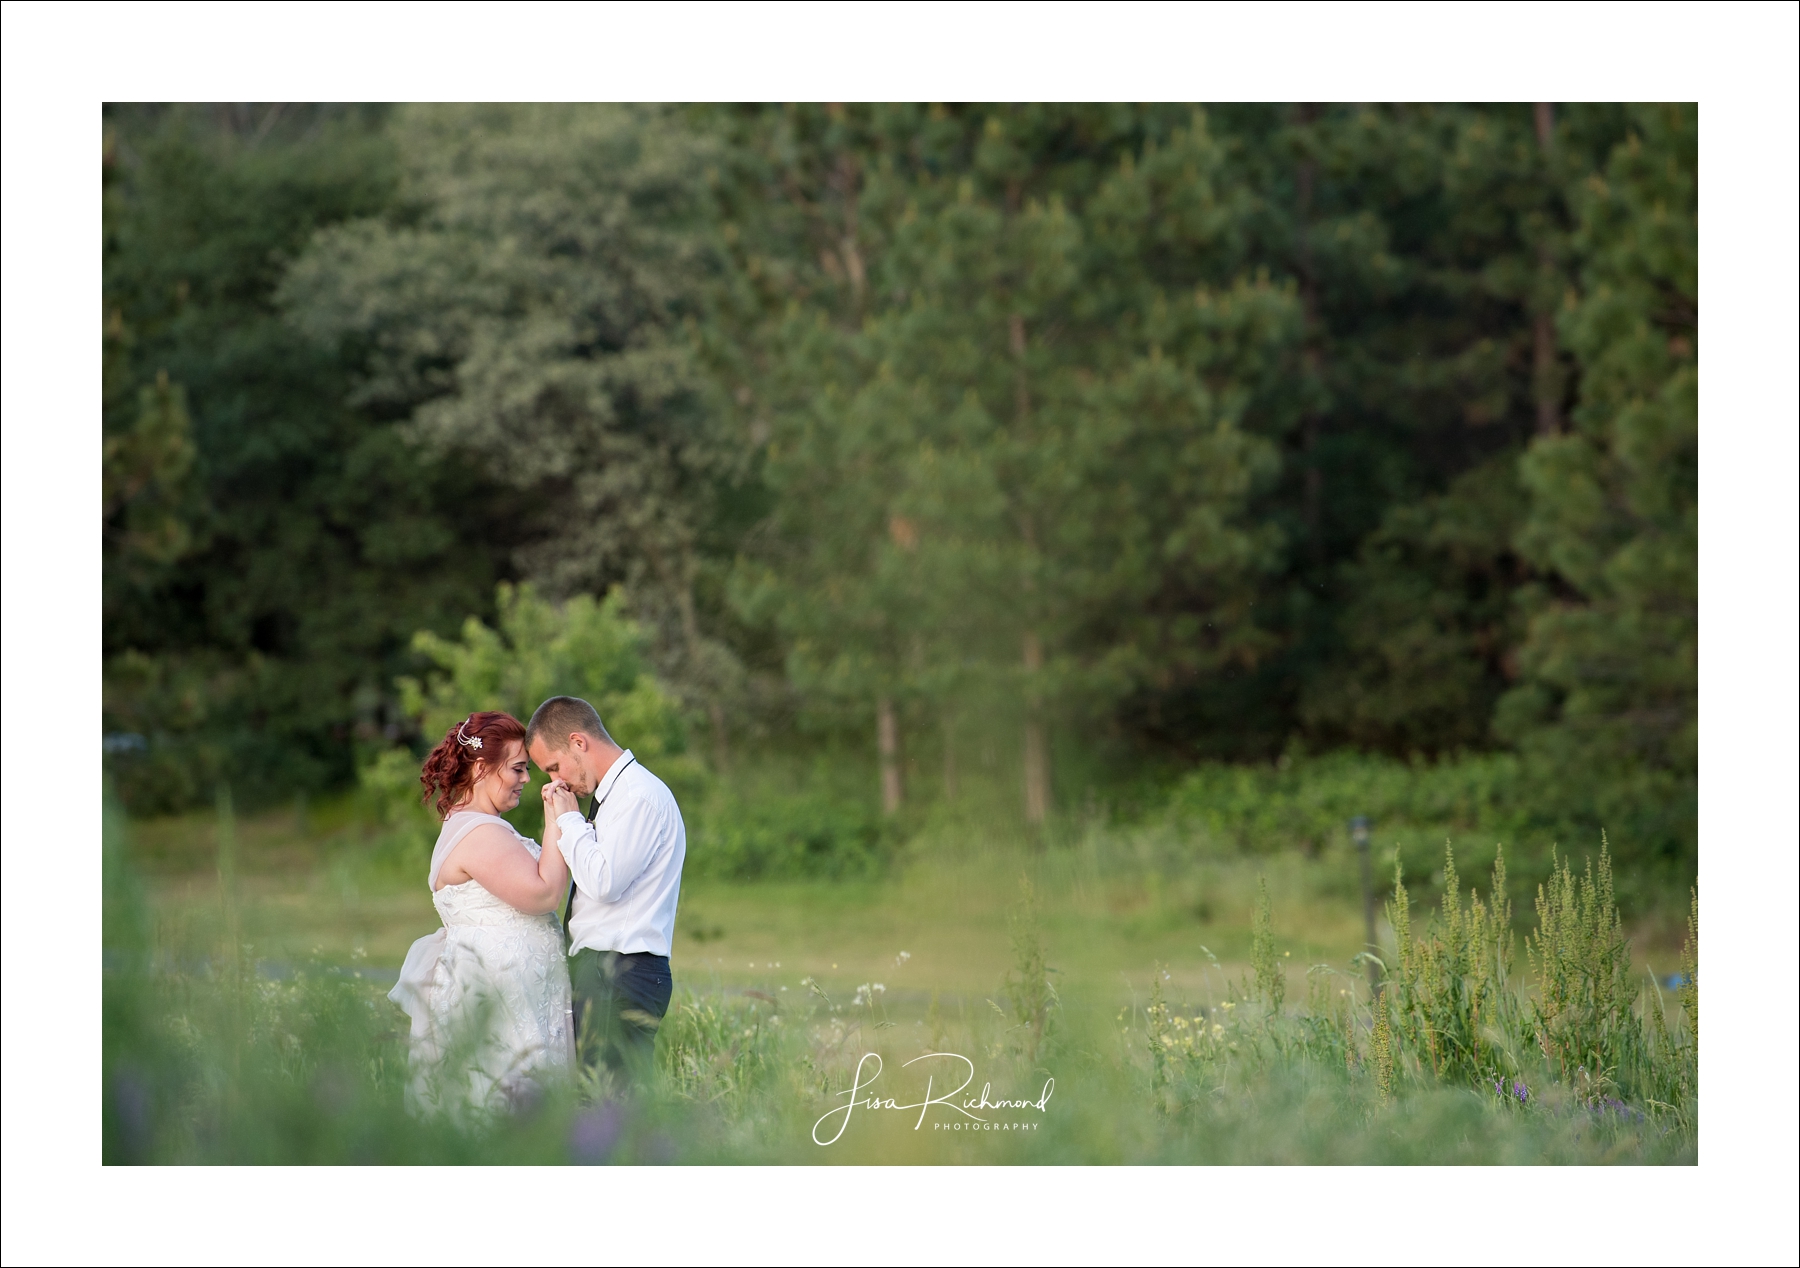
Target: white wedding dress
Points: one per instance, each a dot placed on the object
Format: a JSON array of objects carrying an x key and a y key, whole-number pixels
[{"x": 488, "y": 993}]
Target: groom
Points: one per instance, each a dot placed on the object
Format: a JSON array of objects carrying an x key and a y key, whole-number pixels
[{"x": 625, "y": 858}]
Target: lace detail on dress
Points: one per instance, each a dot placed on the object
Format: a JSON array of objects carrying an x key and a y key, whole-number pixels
[{"x": 489, "y": 1001}]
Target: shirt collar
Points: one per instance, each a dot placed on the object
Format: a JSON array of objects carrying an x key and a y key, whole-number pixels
[{"x": 612, "y": 775}]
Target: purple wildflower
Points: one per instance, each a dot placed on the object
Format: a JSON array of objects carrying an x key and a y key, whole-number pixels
[
  {"x": 1521, "y": 1091},
  {"x": 593, "y": 1135},
  {"x": 1613, "y": 1105}
]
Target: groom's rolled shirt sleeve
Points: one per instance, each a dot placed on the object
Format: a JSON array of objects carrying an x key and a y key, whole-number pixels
[{"x": 605, "y": 869}]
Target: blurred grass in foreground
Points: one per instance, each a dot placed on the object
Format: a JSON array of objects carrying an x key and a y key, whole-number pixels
[{"x": 1106, "y": 982}]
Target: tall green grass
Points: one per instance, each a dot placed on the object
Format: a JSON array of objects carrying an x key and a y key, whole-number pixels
[{"x": 1467, "y": 1053}]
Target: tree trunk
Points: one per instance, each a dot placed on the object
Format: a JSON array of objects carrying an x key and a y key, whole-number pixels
[
  {"x": 1312, "y": 495},
  {"x": 1037, "y": 747},
  {"x": 846, "y": 180},
  {"x": 887, "y": 742},
  {"x": 1313, "y": 491},
  {"x": 680, "y": 585},
  {"x": 715, "y": 708},
  {"x": 1015, "y": 336},
  {"x": 1546, "y": 374},
  {"x": 1543, "y": 114},
  {"x": 1546, "y": 382}
]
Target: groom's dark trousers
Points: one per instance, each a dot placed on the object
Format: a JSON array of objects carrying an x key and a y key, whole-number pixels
[{"x": 619, "y": 1000}]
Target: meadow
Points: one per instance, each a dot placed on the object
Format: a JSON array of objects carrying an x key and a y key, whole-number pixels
[{"x": 1171, "y": 987}]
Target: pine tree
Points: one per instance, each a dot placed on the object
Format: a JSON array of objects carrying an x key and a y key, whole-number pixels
[
  {"x": 1017, "y": 475},
  {"x": 1428, "y": 243},
  {"x": 1608, "y": 703}
]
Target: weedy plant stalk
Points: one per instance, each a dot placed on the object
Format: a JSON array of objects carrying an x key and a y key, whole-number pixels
[
  {"x": 1028, "y": 984},
  {"x": 1271, "y": 982},
  {"x": 1679, "y": 1089},
  {"x": 1449, "y": 991},
  {"x": 1381, "y": 1052},
  {"x": 1582, "y": 1015}
]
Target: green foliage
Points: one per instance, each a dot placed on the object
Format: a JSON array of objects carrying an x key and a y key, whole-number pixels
[
  {"x": 1305, "y": 802},
  {"x": 143, "y": 477},
  {"x": 542, "y": 649},
  {"x": 1607, "y": 708},
  {"x": 391, "y": 783},
  {"x": 525, "y": 302},
  {"x": 750, "y": 833},
  {"x": 1427, "y": 242},
  {"x": 268, "y": 550},
  {"x": 538, "y": 650},
  {"x": 1428, "y": 620}
]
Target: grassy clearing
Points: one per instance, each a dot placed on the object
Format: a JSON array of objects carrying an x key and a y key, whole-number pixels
[{"x": 1139, "y": 978}]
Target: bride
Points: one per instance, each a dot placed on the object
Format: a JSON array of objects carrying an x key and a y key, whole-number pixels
[{"x": 488, "y": 993}]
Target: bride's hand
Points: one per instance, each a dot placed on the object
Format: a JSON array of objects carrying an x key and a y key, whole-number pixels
[{"x": 559, "y": 800}]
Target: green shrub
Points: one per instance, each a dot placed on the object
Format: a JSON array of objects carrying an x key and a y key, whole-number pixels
[
  {"x": 1481, "y": 801},
  {"x": 1305, "y": 802},
  {"x": 732, "y": 836},
  {"x": 541, "y": 649}
]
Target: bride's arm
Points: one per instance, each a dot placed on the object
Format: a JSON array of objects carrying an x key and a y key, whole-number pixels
[
  {"x": 557, "y": 798},
  {"x": 492, "y": 855}
]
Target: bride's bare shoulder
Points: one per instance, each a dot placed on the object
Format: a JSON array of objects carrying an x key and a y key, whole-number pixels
[{"x": 482, "y": 842}]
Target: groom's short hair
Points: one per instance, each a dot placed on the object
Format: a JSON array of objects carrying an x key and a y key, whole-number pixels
[{"x": 559, "y": 717}]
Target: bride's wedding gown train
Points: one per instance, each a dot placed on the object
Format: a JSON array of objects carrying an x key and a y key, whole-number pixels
[{"x": 488, "y": 993}]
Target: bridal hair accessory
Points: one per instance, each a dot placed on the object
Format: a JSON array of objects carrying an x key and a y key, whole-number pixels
[{"x": 470, "y": 741}]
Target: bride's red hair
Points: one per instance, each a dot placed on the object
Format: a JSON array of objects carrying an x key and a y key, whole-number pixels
[{"x": 464, "y": 755}]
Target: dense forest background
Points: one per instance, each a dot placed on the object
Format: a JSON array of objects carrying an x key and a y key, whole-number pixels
[{"x": 1066, "y": 447}]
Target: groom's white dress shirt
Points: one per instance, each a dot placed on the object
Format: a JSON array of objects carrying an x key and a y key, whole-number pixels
[{"x": 626, "y": 863}]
